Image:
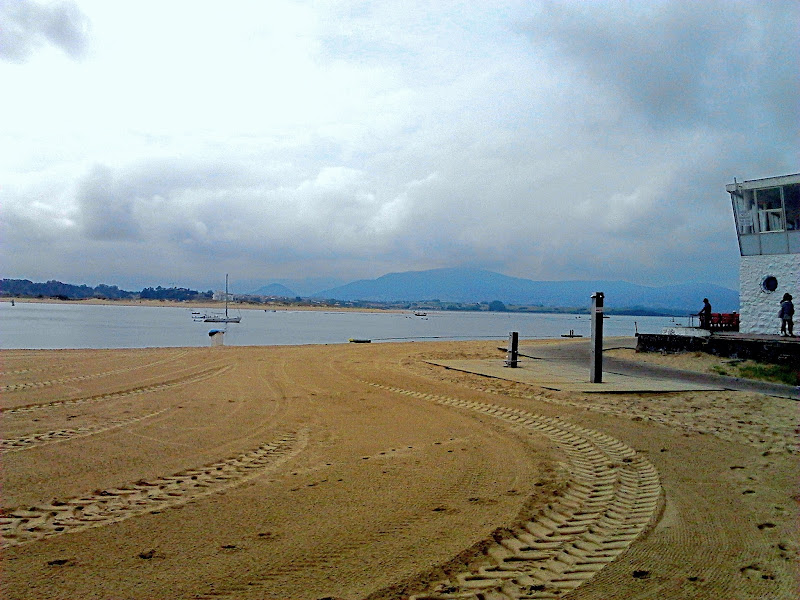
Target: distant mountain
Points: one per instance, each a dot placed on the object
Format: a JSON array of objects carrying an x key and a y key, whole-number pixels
[
  {"x": 476, "y": 285},
  {"x": 305, "y": 287},
  {"x": 274, "y": 289}
]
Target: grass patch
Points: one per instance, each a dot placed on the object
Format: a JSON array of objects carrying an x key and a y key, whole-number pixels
[
  {"x": 719, "y": 370},
  {"x": 766, "y": 372}
]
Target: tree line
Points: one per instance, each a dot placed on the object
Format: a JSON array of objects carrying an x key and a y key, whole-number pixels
[{"x": 24, "y": 288}]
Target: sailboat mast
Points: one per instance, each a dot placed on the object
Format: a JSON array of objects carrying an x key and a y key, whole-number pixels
[{"x": 226, "y": 295}]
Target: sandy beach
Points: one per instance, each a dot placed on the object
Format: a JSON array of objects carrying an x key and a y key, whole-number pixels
[{"x": 365, "y": 471}]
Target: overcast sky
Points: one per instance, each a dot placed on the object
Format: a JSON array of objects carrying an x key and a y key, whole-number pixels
[{"x": 159, "y": 143}]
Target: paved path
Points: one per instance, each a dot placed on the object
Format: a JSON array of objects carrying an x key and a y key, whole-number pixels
[{"x": 576, "y": 354}]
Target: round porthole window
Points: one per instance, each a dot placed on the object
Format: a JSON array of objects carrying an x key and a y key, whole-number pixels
[{"x": 770, "y": 284}]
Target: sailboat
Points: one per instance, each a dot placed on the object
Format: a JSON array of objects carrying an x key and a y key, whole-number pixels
[{"x": 217, "y": 318}]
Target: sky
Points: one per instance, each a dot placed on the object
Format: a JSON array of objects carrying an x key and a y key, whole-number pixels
[{"x": 168, "y": 143}]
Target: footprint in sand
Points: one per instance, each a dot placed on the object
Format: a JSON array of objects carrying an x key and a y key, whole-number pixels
[
  {"x": 788, "y": 550},
  {"x": 60, "y": 562},
  {"x": 756, "y": 573}
]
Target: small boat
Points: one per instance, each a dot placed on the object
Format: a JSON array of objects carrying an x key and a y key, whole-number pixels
[
  {"x": 420, "y": 314},
  {"x": 219, "y": 318},
  {"x": 360, "y": 341}
]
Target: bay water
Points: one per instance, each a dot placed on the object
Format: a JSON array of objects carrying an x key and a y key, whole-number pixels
[{"x": 61, "y": 325}]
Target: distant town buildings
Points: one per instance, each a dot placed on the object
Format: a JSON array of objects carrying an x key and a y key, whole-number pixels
[{"x": 767, "y": 215}]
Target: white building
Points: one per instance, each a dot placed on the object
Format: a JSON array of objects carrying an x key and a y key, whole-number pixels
[{"x": 767, "y": 214}]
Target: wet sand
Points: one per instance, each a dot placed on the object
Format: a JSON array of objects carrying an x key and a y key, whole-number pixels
[{"x": 356, "y": 471}]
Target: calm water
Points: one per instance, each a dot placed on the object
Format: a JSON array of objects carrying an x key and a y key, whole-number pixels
[{"x": 53, "y": 326}]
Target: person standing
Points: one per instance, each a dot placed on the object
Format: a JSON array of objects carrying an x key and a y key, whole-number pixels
[
  {"x": 705, "y": 315},
  {"x": 786, "y": 313}
]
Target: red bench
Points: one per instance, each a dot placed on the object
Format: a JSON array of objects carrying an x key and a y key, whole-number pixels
[{"x": 724, "y": 322}]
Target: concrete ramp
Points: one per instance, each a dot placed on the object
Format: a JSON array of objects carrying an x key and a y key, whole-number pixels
[{"x": 565, "y": 376}]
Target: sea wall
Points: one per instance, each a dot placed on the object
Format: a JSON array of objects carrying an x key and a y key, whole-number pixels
[
  {"x": 778, "y": 351},
  {"x": 758, "y": 305}
]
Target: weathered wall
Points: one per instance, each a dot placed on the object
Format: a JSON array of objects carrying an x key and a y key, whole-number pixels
[
  {"x": 779, "y": 351},
  {"x": 759, "y": 309}
]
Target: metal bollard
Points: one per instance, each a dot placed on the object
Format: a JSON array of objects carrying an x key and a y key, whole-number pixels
[
  {"x": 513, "y": 350},
  {"x": 596, "y": 353}
]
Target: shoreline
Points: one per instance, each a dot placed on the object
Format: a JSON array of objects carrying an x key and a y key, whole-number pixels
[
  {"x": 393, "y": 308},
  {"x": 695, "y": 362},
  {"x": 205, "y": 304}
]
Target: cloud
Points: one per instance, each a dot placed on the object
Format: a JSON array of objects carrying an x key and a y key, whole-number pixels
[
  {"x": 106, "y": 211},
  {"x": 682, "y": 63},
  {"x": 547, "y": 140},
  {"x": 206, "y": 205},
  {"x": 27, "y": 25}
]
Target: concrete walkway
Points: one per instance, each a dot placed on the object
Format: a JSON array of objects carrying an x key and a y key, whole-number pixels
[
  {"x": 564, "y": 365},
  {"x": 576, "y": 353}
]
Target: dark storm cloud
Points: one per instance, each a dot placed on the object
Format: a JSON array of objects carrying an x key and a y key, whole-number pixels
[
  {"x": 26, "y": 25},
  {"x": 683, "y": 63},
  {"x": 107, "y": 211},
  {"x": 124, "y": 204}
]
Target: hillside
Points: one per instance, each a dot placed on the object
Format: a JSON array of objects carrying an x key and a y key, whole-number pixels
[
  {"x": 274, "y": 289},
  {"x": 475, "y": 285}
]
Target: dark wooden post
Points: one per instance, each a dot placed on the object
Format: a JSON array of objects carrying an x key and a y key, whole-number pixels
[
  {"x": 513, "y": 349},
  {"x": 596, "y": 358}
]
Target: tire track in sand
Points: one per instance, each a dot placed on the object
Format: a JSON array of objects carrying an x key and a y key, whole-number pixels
[
  {"x": 62, "y": 435},
  {"x": 105, "y": 507},
  {"x": 326, "y": 557},
  {"x": 15, "y": 387},
  {"x": 186, "y": 379},
  {"x": 613, "y": 496}
]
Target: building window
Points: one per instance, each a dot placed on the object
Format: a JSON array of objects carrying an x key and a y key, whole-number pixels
[
  {"x": 770, "y": 284},
  {"x": 770, "y": 211},
  {"x": 791, "y": 204}
]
